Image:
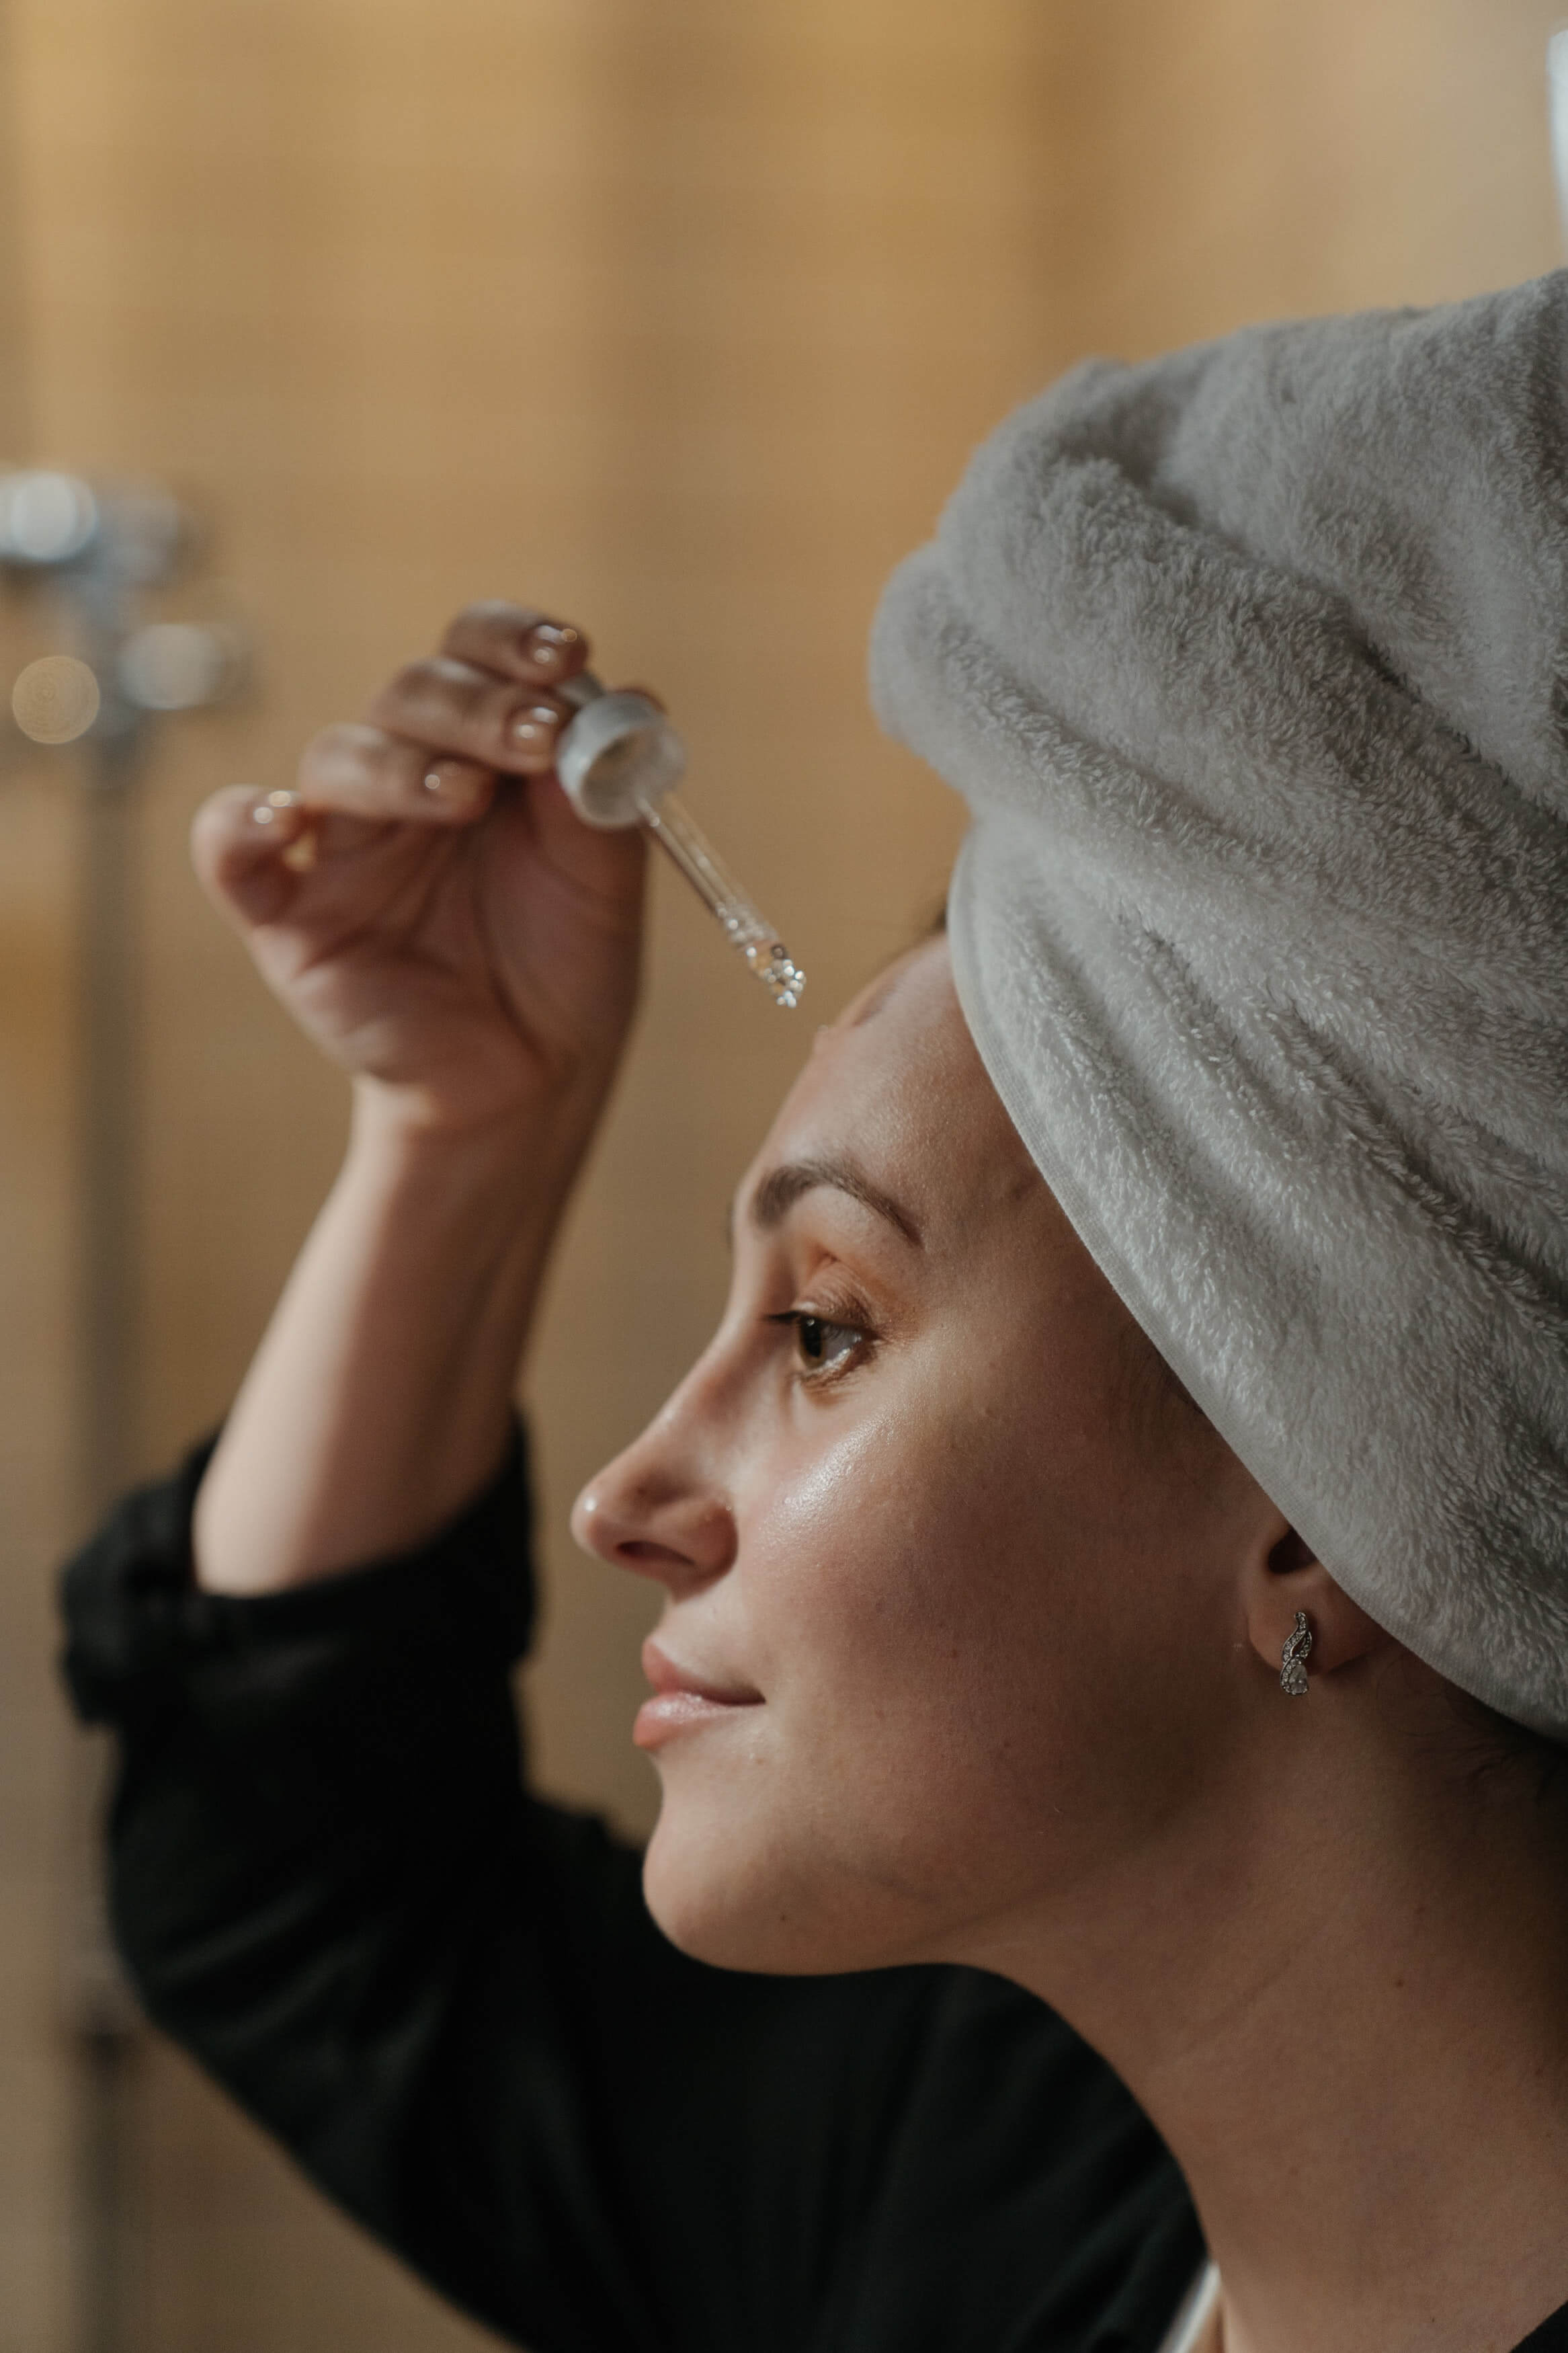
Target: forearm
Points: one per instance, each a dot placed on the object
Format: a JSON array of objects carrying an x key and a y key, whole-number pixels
[{"x": 380, "y": 1398}]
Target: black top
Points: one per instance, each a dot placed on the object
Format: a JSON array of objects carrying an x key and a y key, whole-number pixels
[{"x": 447, "y": 2000}]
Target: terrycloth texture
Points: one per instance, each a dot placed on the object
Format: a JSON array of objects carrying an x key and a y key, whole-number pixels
[{"x": 1250, "y": 664}]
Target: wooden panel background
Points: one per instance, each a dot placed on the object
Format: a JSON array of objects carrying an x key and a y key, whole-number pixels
[{"x": 679, "y": 319}]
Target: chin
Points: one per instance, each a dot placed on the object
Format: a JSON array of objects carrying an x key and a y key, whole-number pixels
[
  {"x": 735, "y": 1918},
  {"x": 741, "y": 1901}
]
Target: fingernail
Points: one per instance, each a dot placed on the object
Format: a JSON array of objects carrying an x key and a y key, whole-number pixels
[
  {"x": 548, "y": 643},
  {"x": 452, "y": 784},
  {"x": 534, "y": 726},
  {"x": 276, "y": 805}
]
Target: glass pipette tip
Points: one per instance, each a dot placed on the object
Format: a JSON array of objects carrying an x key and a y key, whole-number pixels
[{"x": 684, "y": 842}]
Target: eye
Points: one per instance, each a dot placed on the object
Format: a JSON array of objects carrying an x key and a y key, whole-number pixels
[{"x": 823, "y": 1347}]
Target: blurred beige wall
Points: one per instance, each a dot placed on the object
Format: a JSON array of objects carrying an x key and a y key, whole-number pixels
[{"x": 678, "y": 319}]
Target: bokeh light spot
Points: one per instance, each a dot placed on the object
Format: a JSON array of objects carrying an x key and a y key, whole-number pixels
[
  {"x": 45, "y": 518},
  {"x": 56, "y": 698},
  {"x": 176, "y": 666}
]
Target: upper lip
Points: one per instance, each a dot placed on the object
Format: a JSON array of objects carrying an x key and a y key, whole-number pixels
[{"x": 666, "y": 1675}]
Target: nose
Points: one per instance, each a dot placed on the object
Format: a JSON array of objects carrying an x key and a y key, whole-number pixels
[{"x": 653, "y": 1510}]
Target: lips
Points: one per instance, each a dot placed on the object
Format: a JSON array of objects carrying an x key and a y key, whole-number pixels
[{"x": 684, "y": 1700}]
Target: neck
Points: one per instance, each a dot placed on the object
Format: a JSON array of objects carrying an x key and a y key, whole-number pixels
[{"x": 1348, "y": 2015}]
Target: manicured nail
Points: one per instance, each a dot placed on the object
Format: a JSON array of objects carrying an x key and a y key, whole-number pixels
[
  {"x": 452, "y": 783},
  {"x": 534, "y": 726},
  {"x": 276, "y": 805},
  {"x": 548, "y": 643}
]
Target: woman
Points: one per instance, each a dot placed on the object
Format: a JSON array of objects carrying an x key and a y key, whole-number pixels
[{"x": 1115, "y": 1541}]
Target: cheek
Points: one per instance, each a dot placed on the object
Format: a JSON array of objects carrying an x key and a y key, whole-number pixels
[
  {"x": 948, "y": 1570},
  {"x": 963, "y": 1711},
  {"x": 913, "y": 1604},
  {"x": 916, "y": 1596},
  {"x": 879, "y": 1580}
]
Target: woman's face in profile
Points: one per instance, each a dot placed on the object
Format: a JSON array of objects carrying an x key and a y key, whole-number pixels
[{"x": 948, "y": 1629}]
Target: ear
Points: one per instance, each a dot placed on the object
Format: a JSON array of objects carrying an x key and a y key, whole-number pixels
[{"x": 1282, "y": 1577}]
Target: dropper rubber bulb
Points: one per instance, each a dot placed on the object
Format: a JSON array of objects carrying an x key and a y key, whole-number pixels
[{"x": 619, "y": 761}]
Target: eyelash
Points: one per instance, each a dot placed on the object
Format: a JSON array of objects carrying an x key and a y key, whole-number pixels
[{"x": 820, "y": 1376}]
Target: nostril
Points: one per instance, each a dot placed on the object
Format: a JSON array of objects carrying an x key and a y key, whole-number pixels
[
  {"x": 610, "y": 1515},
  {"x": 636, "y": 1552}
]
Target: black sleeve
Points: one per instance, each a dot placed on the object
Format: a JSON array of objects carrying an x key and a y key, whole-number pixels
[
  {"x": 448, "y": 2001},
  {"x": 1551, "y": 2337}
]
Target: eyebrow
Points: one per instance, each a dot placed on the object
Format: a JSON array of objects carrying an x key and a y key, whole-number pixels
[{"x": 782, "y": 1187}]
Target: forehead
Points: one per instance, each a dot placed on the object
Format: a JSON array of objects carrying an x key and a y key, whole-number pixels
[{"x": 896, "y": 1086}]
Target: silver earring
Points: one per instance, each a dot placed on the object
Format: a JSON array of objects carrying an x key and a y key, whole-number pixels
[{"x": 1297, "y": 1650}]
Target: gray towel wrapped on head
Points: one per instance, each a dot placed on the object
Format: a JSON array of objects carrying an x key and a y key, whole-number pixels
[{"x": 1252, "y": 665}]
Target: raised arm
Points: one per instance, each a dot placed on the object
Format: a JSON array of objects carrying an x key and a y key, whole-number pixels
[
  {"x": 436, "y": 918},
  {"x": 445, "y": 1997}
]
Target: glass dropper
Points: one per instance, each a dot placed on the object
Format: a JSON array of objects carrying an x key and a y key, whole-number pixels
[{"x": 619, "y": 761}]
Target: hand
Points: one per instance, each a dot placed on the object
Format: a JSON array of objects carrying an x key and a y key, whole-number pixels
[{"x": 428, "y": 904}]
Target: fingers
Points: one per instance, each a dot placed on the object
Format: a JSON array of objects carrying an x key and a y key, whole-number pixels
[
  {"x": 360, "y": 770},
  {"x": 457, "y": 707},
  {"x": 246, "y": 847},
  {"x": 430, "y": 753},
  {"x": 252, "y": 849},
  {"x": 518, "y": 642},
  {"x": 492, "y": 694}
]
